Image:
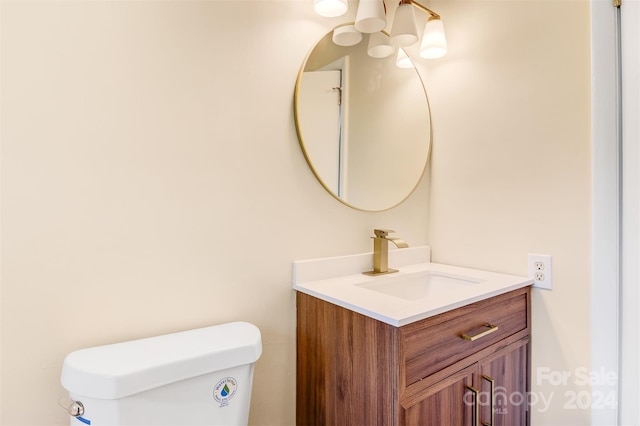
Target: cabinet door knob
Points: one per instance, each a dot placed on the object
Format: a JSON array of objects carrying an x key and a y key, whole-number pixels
[{"x": 471, "y": 337}]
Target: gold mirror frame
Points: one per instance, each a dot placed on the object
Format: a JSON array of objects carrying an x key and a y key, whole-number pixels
[{"x": 418, "y": 114}]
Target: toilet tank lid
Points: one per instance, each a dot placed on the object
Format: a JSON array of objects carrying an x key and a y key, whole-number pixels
[{"x": 122, "y": 369}]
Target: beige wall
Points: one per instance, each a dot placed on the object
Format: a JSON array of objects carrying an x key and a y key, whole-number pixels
[
  {"x": 152, "y": 181},
  {"x": 511, "y": 168}
]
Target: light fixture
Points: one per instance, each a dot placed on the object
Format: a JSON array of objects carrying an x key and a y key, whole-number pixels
[
  {"x": 347, "y": 35},
  {"x": 404, "y": 31},
  {"x": 403, "y": 60},
  {"x": 379, "y": 46},
  {"x": 434, "y": 43},
  {"x": 370, "y": 17},
  {"x": 330, "y": 8}
]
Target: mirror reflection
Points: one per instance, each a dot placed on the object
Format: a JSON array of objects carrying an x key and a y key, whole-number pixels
[{"x": 363, "y": 124}]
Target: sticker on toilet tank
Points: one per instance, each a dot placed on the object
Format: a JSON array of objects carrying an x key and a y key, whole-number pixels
[{"x": 225, "y": 390}]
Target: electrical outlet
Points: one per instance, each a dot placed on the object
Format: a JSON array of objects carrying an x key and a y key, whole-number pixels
[{"x": 540, "y": 270}]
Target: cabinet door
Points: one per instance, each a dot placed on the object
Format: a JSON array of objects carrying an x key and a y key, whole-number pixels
[
  {"x": 504, "y": 384},
  {"x": 451, "y": 402}
]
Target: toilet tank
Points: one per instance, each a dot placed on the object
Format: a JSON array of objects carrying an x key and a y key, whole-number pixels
[{"x": 195, "y": 377}]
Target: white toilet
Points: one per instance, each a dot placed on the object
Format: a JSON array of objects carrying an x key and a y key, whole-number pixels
[{"x": 195, "y": 377}]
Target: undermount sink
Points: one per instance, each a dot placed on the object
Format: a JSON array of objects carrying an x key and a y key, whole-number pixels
[{"x": 419, "y": 285}]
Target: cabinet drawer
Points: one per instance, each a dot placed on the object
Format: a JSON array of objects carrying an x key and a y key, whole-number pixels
[{"x": 438, "y": 342}]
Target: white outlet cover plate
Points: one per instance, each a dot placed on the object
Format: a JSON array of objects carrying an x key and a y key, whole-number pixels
[{"x": 545, "y": 280}]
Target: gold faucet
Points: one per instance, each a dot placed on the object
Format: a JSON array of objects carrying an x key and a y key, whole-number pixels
[{"x": 381, "y": 251}]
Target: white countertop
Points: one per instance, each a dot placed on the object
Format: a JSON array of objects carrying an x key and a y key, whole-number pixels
[{"x": 339, "y": 281}]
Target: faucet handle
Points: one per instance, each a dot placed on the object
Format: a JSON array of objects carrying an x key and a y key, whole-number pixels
[{"x": 382, "y": 233}]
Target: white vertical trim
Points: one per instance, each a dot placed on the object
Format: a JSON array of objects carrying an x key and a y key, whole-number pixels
[
  {"x": 605, "y": 206},
  {"x": 630, "y": 293},
  {"x": 344, "y": 129}
]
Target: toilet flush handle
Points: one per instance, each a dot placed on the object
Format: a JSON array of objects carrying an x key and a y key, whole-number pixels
[{"x": 74, "y": 408}]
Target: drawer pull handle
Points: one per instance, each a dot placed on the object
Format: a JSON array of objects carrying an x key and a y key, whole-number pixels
[{"x": 490, "y": 329}]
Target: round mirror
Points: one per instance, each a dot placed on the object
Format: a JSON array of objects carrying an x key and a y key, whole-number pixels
[{"x": 363, "y": 124}]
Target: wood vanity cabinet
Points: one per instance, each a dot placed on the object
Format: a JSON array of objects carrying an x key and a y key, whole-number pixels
[{"x": 467, "y": 366}]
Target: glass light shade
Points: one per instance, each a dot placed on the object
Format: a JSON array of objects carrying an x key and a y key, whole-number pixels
[
  {"x": 403, "y": 61},
  {"x": 404, "y": 31},
  {"x": 346, "y": 36},
  {"x": 434, "y": 43},
  {"x": 379, "y": 46},
  {"x": 370, "y": 16},
  {"x": 330, "y": 8}
]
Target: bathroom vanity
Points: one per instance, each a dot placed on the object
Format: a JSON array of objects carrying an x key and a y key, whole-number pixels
[{"x": 456, "y": 355}]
